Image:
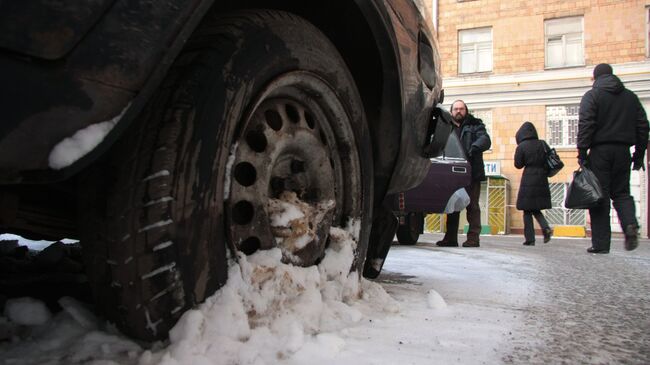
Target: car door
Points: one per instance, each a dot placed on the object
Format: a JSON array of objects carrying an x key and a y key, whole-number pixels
[{"x": 449, "y": 172}]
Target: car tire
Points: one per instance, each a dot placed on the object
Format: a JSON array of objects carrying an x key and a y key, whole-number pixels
[
  {"x": 409, "y": 232},
  {"x": 259, "y": 103}
]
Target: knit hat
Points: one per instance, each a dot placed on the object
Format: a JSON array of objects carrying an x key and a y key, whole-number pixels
[{"x": 602, "y": 69}]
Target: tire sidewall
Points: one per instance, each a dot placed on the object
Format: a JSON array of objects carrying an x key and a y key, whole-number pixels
[{"x": 266, "y": 49}]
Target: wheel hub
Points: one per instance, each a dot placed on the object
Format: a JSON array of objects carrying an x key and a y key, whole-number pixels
[{"x": 283, "y": 186}]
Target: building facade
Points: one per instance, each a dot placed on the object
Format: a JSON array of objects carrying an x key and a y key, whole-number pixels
[{"x": 514, "y": 61}]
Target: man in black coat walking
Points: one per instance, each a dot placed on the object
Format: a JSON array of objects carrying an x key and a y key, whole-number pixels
[
  {"x": 611, "y": 120},
  {"x": 475, "y": 140}
]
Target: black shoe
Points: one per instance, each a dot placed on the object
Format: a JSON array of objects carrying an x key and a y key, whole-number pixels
[
  {"x": 469, "y": 243},
  {"x": 548, "y": 233},
  {"x": 631, "y": 237},
  {"x": 595, "y": 250},
  {"x": 445, "y": 243},
  {"x": 529, "y": 243}
]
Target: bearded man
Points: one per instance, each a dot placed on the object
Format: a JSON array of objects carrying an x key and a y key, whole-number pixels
[{"x": 475, "y": 140}]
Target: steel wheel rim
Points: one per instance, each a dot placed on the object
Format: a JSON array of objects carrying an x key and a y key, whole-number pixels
[{"x": 297, "y": 138}]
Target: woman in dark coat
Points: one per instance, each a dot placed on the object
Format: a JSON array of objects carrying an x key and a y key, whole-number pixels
[{"x": 534, "y": 193}]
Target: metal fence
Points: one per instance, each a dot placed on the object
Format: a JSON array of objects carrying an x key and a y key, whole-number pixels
[
  {"x": 492, "y": 202},
  {"x": 496, "y": 197},
  {"x": 434, "y": 223},
  {"x": 560, "y": 216}
]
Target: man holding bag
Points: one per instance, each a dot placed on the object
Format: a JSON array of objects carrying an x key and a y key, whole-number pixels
[
  {"x": 475, "y": 140},
  {"x": 611, "y": 120}
]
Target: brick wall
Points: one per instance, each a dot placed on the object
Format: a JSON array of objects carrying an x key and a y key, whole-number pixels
[
  {"x": 614, "y": 31},
  {"x": 504, "y": 145}
]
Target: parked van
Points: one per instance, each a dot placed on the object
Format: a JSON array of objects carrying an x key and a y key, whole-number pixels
[{"x": 442, "y": 191}]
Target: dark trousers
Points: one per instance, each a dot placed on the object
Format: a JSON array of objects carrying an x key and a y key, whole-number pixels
[
  {"x": 611, "y": 165},
  {"x": 529, "y": 228},
  {"x": 473, "y": 216}
]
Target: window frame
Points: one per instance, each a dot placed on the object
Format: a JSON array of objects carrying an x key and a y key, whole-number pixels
[
  {"x": 475, "y": 50},
  {"x": 453, "y": 150},
  {"x": 563, "y": 37}
]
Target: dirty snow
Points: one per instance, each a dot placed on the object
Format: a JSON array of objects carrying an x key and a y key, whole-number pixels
[
  {"x": 294, "y": 222},
  {"x": 323, "y": 315}
]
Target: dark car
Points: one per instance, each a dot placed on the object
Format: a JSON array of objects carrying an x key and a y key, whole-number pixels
[
  {"x": 158, "y": 132},
  {"x": 442, "y": 191}
]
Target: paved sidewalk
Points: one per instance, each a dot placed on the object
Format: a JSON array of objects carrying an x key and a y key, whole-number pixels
[{"x": 585, "y": 308}]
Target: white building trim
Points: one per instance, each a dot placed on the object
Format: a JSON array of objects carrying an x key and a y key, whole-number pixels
[{"x": 563, "y": 86}]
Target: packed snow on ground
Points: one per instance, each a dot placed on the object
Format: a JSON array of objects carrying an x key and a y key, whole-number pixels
[
  {"x": 36, "y": 245},
  {"x": 429, "y": 306}
]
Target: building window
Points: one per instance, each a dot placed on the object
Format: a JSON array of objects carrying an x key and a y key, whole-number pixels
[
  {"x": 558, "y": 215},
  {"x": 475, "y": 50},
  {"x": 562, "y": 125},
  {"x": 564, "y": 44}
]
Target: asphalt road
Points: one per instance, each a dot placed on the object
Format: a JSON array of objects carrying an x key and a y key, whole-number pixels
[{"x": 584, "y": 308}]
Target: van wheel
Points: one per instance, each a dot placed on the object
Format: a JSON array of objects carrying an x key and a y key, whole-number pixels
[
  {"x": 258, "y": 109},
  {"x": 409, "y": 232}
]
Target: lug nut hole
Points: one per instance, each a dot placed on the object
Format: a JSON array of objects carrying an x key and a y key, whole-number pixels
[
  {"x": 250, "y": 245},
  {"x": 243, "y": 212},
  {"x": 273, "y": 119},
  {"x": 256, "y": 140},
  {"x": 245, "y": 174},
  {"x": 292, "y": 113},
  {"x": 297, "y": 166},
  {"x": 310, "y": 120}
]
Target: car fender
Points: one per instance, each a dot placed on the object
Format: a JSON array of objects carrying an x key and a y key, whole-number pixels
[
  {"x": 420, "y": 93},
  {"x": 99, "y": 74}
]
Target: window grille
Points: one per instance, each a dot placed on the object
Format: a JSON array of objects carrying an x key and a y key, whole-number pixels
[
  {"x": 562, "y": 125},
  {"x": 559, "y": 215}
]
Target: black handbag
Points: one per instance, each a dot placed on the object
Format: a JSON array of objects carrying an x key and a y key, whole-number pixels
[
  {"x": 584, "y": 191},
  {"x": 553, "y": 162}
]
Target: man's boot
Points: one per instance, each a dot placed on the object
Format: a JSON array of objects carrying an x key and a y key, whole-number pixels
[
  {"x": 472, "y": 240},
  {"x": 447, "y": 243},
  {"x": 471, "y": 243},
  {"x": 631, "y": 237}
]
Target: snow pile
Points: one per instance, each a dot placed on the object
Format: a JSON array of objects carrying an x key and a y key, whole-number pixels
[
  {"x": 435, "y": 300},
  {"x": 269, "y": 311},
  {"x": 72, "y": 336},
  {"x": 33, "y": 245},
  {"x": 332, "y": 319},
  {"x": 27, "y": 311}
]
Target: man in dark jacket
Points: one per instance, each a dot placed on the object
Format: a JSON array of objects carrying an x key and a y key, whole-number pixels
[
  {"x": 611, "y": 120},
  {"x": 475, "y": 140}
]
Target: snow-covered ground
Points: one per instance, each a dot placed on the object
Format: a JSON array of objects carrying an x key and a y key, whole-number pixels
[
  {"x": 32, "y": 244},
  {"x": 429, "y": 306}
]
